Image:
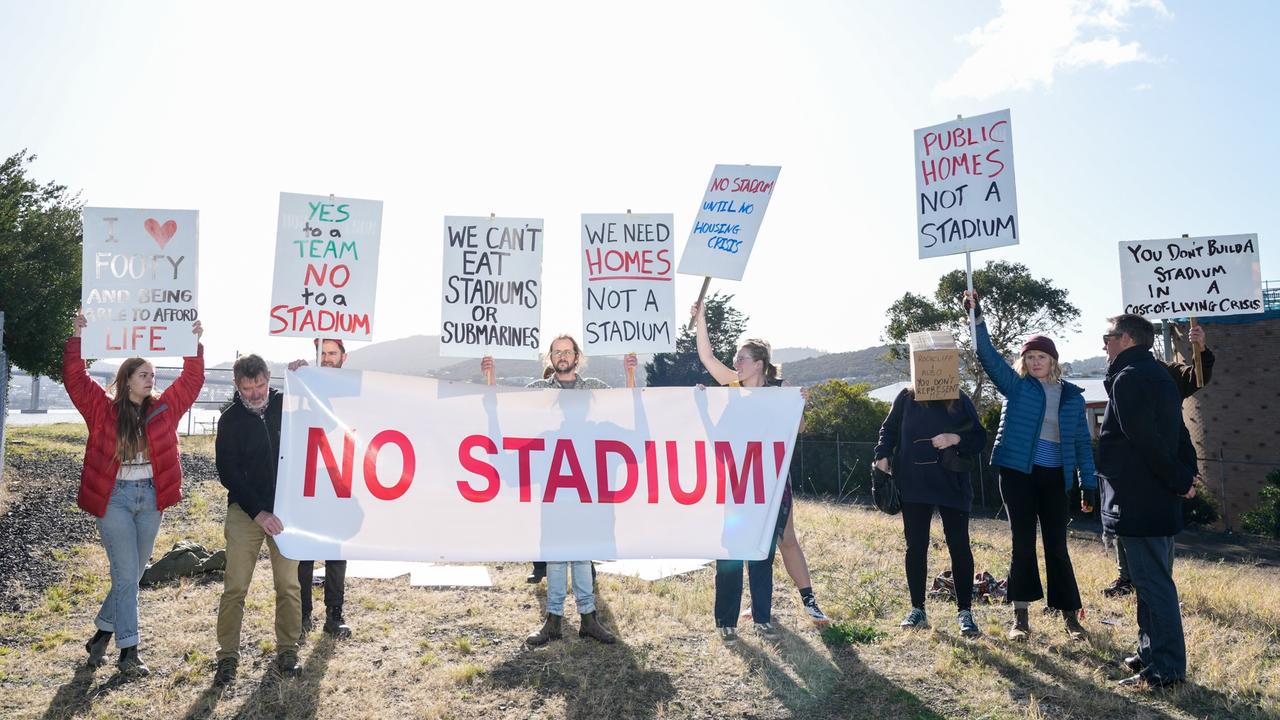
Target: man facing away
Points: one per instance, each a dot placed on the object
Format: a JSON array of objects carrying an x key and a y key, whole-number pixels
[
  {"x": 247, "y": 452},
  {"x": 333, "y": 354},
  {"x": 1146, "y": 467}
]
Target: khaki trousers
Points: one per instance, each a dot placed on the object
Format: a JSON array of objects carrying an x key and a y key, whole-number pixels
[{"x": 244, "y": 542}]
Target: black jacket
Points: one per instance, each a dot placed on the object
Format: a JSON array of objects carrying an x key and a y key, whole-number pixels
[
  {"x": 1184, "y": 374},
  {"x": 247, "y": 454},
  {"x": 905, "y": 439},
  {"x": 1145, "y": 458}
]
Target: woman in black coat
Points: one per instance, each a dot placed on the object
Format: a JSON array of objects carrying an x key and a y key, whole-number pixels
[{"x": 928, "y": 447}]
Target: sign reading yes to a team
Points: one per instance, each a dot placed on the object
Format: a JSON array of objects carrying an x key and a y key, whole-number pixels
[
  {"x": 627, "y": 284},
  {"x": 966, "y": 199},
  {"x": 326, "y": 276},
  {"x": 138, "y": 287},
  {"x": 492, "y": 287},
  {"x": 1199, "y": 276},
  {"x": 728, "y": 221}
]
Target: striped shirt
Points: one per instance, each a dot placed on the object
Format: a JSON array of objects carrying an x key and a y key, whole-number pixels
[{"x": 1048, "y": 454}]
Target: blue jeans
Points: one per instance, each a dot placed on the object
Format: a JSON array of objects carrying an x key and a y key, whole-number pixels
[
  {"x": 729, "y": 589},
  {"x": 558, "y": 586},
  {"x": 128, "y": 531},
  {"x": 1161, "y": 645}
]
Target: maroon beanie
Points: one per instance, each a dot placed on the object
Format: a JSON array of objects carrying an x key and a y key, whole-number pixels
[{"x": 1041, "y": 343}]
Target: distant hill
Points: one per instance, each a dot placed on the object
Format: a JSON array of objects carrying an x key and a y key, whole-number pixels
[
  {"x": 1089, "y": 366},
  {"x": 794, "y": 354},
  {"x": 521, "y": 372},
  {"x": 414, "y": 355},
  {"x": 858, "y": 366}
]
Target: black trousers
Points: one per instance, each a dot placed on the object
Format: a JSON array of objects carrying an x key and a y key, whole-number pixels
[
  {"x": 335, "y": 581},
  {"x": 916, "y": 518},
  {"x": 1039, "y": 498}
]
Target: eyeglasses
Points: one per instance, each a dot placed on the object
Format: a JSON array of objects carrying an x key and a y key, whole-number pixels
[
  {"x": 1106, "y": 338},
  {"x": 562, "y": 353}
]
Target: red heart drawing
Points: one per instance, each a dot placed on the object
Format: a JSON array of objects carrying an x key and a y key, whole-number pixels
[{"x": 162, "y": 233}]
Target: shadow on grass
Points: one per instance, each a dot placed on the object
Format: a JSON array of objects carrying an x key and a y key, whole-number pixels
[
  {"x": 273, "y": 696},
  {"x": 76, "y": 696},
  {"x": 595, "y": 680}
]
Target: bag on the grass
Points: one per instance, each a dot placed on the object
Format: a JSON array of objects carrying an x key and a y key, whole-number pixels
[
  {"x": 187, "y": 558},
  {"x": 884, "y": 491}
]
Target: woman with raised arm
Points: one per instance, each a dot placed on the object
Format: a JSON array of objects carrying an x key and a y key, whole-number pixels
[
  {"x": 131, "y": 474},
  {"x": 753, "y": 367},
  {"x": 1042, "y": 445}
]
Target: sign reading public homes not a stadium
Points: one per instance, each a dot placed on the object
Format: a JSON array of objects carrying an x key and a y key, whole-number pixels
[
  {"x": 326, "y": 271},
  {"x": 966, "y": 198}
]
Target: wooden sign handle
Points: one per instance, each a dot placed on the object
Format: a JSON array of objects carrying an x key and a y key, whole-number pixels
[
  {"x": 1196, "y": 348},
  {"x": 702, "y": 294}
]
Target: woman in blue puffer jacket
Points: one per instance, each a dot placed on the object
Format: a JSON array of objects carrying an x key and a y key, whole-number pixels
[{"x": 1042, "y": 443}]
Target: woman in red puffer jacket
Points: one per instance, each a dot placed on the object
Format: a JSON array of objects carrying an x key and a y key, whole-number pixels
[{"x": 131, "y": 474}]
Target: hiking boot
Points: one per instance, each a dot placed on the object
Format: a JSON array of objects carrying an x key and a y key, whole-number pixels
[
  {"x": 130, "y": 665},
  {"x": 1145, "y": 681},
  {"x": 1021, "y": 628},
  {"x": 767, "y": 632},
  {"x": 1118, "y": 588},
  {"x": 225, "y": 674},
  {"x": 539, "y": 572},
  {"x": 97, "y": 648},
  {"x": 591, "y": 627},
  {"x": 915, "y": 620},
  {"x": 814, "y": 612},
  {"x": 1075, "y": 630},
  {"x": 287, "y": 663},
  {"x": 334, "y": 626},
  {"x": 550, "y": 631},
  {"x": 307, "y": 624},
  {"x": 1134, "y": 663},
  {"x": 729, "y": 635},
  {"x": 968, "y": 627}
]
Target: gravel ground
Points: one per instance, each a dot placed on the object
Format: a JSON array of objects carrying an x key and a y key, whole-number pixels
[{"x": 41, "y": 516}]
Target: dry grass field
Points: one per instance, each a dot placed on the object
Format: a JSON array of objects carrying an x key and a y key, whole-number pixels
[{"x": 422, "y": 653}]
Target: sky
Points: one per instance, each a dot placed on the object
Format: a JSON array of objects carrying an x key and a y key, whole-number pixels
[{"x": 1131, "y": 120}]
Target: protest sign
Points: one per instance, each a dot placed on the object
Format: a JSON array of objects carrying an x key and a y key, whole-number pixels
[
  {"x": 326, "y": 273},
  {"x": 492, "y": 287},
  {"x": 935, "y": 365},
  {"x": 724, "y": 232},
  {"x": 628, "y": 291},
  {"x": 389, "y": 467},
  {"x": 1200, "y": 276},
  {"x": 966, "y": 195},
  {"x": 138, "y": 288}
]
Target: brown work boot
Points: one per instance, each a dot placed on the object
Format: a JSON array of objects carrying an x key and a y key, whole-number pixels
[
  {"x": 1021, "y": 629},
  {"x": 550, "y": 631},
  {"x": 591, "y": 627},
  {"x": 1075, "y": 630}
]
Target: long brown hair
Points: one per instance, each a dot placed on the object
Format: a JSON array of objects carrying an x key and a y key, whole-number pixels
[
  {"x": 131, "y": 436},
  {"x": 761, "y": 350}
]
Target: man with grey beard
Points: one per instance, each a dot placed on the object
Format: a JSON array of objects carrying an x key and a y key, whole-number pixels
[{"x": 247, "y": 454}]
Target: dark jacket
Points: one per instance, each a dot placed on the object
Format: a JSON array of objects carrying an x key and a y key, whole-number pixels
[
  {"x": 1184, "y": 375},
  {"x": 915, "y": 463},
  {"x": 247, "y": 454},
  {"x": 1023, "y": 414},
  {"x": 1145, "y": 459}
]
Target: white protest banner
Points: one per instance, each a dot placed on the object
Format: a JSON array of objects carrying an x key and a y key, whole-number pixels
[
  {"x": 967, "y": 198},
  {"x": 326, "y": 276},
  {"x": 628, "y": 292},
  {"x": 390, "y": 467},
  {"x": 138, "y": 284},
  {"x": 492, "y": 287},
  {"x": 728, "y": 221},
  {"x": 1200, "y": 276}
]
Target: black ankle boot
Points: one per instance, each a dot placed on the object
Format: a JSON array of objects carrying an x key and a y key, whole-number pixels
[{"x": 131, "y": 665}]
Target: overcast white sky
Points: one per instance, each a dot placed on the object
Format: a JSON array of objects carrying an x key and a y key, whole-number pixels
[{"x": 1131, "y": 120}]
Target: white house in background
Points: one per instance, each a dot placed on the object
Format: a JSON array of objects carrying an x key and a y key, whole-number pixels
[{"x": 1095, "y": 398}]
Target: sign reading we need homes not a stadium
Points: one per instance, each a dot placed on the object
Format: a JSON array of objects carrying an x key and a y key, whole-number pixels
[
  {"x": 728, "y": 221},
  {"x": 390, "y": 467},
  {"x": 966, "y": 197},
  {"x": 628, "y": 293}
]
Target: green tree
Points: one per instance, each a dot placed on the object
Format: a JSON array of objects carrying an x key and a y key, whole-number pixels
[
  {"x": 837, "y": 408},
  {"x": 1014, "y": 303},
  {"x": 725, "y": 325},
  {"x": 1265, "y": 518},
  {"x": 40, "y": 285}
]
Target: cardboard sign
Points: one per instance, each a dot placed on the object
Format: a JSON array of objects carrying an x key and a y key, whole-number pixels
[
  {"x": 492, "y": 287},
  {"x": 935, "y": 365},
  {"x": 390, "y": 467},
  {"x": 728, "y": 221},
  {"x": 628, "y": 293},
  {"x": 1201, "y": 276},
  {"x": 326, "y": 273},
  {"x": 966, "y": 197},
  {"x": 138, "y": 284}
]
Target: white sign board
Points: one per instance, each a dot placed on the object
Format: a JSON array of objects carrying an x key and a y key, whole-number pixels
[
  {"x": 326, "y": 274},
  {"x": 728, "y": 221},
  {"x": 390, "y": 467},
  {"x": 628, "y": 278},
  {"x": 1201, "y": 276},
  {"x": 966, "y": 197},
  {"x": 138, "y": 284},
  {"x": 492, "y": 287}
]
